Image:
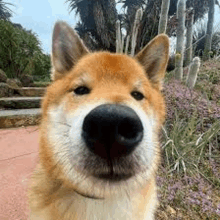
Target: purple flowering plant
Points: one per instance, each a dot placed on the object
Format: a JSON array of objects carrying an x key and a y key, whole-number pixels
[{"x": 189, "y": 176}]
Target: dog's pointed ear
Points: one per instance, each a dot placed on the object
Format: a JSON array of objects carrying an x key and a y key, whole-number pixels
[
  {"x": 154, "y": 58},
  {"x": 67, "y": 49}
]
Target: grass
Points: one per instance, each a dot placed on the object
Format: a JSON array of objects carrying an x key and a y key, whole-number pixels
[
  {"x": 184, "y": 147},
  {"x": 42, "y": 81},
  {"x": 189, "y": 176},
  {"x": 41, "y": 84}
]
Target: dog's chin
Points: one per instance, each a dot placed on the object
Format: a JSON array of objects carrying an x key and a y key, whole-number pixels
[
  {"x": 105, "y": 185},
  {"x": 107, "y": 179},
  {"x": 88, "y": 196}
]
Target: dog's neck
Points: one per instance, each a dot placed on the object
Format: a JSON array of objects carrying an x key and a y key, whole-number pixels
[
  {"x": 127, "y": 207},
  {"x": 110, "y": 208}
]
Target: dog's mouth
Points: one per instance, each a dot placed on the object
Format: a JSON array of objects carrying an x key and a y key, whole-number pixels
[
  {"x": 113, "y": 177},
  {"x": 110, "y": 170},
  {"x": 110, "y": 177}
]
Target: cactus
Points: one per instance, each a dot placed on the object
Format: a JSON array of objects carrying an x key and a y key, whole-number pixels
[
  {"x": 189, "y": 36},
  {"x": 117, "y": 46},
  {"x": 127, "y": 44},
  {"x": 181, "y": 8},
  {"x": 122, "y": 43},
  {"x": 163, "y": 16},
  {"x": 178, "y": 66},
  {"x": 209, "y": 32},
  {"x": 118, "y": 37},
  {"x": 193, "y": 71},
  {"x": 137, "y": 20}
]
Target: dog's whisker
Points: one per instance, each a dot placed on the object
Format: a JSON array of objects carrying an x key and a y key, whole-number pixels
[{"x": 61, "y": 123}]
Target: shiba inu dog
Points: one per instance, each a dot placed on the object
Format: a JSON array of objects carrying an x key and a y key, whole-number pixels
[{"x": 99, "y": 148}]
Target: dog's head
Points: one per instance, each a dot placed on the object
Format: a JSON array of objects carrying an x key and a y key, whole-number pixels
[{"x": 102, "y": 114}]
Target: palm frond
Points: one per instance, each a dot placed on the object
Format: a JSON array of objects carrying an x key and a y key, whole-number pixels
[{"x": 5, "y": 11}]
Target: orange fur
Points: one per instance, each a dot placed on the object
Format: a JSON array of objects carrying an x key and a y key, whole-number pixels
[{"x": 111, "y": 78}]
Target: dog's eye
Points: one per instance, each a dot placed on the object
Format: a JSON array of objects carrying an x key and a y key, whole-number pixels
[
  {"x": 82, "y": 90},
  {"x": 137, "y": 95}
]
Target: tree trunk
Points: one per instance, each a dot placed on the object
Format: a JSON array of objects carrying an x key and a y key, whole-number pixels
[
  {"x": 189, "y": 38},
  {"x": 181, "y": 8},
  {"x": 163, "y": 16},
  {"x": 208, "y": 42}
]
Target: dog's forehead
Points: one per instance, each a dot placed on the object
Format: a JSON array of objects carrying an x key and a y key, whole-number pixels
[{"x": 108, "y": 65}]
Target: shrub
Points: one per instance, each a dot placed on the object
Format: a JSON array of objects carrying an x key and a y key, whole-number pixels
[{"x": 21, "y": 52}]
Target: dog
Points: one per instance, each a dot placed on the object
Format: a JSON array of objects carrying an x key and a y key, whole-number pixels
[{"x": 98, "y": 145}]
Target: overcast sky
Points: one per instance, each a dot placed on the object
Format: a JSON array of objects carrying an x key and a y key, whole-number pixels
[{"x": 40, "y": 16}]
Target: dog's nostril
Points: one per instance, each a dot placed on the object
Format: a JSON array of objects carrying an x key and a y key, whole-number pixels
[
  {"x": 130, "y": 133},
  {"x": 92, "y": 129},
  {"x": 127, "y": 130},
  {"x": 112, "y": 130}
]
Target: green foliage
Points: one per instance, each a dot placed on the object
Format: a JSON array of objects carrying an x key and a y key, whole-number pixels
[
  {"x": 20, "y": 52},
  {"x": 44, "y": 83},
  {"x": 185, "y": 146},
  {"x": 42, "y": 65}
]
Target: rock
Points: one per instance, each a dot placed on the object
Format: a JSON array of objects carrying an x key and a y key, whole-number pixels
[
  {"x": 27, "y": 80},
  {"x": 14, "y": 83},
  {"x": 170, "y": 210},
  {"x": 18, "y": 82},
  {"x": 5, "y": 90},
  {"x": 162, "y": 215},
  {"x": 3, "y": 77}
]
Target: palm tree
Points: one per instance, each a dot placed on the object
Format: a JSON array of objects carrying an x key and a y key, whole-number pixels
[
  {"x": 97, "y": 25},
  {"x": 98, "y": 18},
  {"x": 5, "y": 12}
]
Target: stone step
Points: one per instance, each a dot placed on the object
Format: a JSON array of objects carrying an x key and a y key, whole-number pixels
[
  {"x": 20, "y": 102},
  {"x": 31, "y": 91},
  {"x": 19, "y": 117}
]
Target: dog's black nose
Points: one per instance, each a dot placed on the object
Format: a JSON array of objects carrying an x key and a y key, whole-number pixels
[{"x": 112, "y": 130}]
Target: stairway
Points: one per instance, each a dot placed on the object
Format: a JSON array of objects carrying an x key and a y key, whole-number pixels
[{"x": 21, "y": 110}]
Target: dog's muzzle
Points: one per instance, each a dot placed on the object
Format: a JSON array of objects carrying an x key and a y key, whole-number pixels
[{"x": 112, "y": 131}]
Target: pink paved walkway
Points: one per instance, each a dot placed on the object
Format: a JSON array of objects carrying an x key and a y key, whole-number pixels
[{"x": 18, "y": 158}]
